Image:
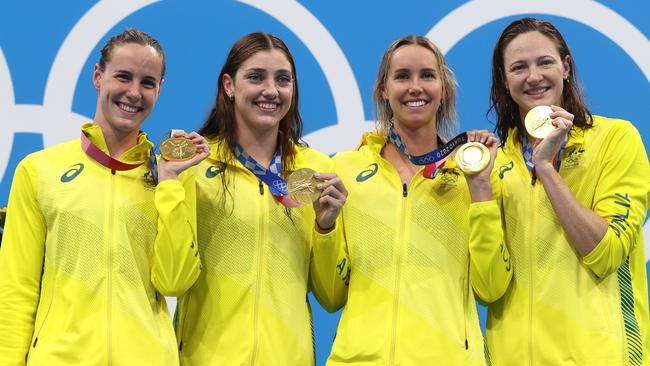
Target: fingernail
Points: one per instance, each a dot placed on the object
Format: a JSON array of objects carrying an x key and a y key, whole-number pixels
[
  {"x": 317, "y": 175},
  {"x": 319, "y": 186}
]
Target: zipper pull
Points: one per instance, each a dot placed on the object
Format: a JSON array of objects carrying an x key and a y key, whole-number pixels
[
  {"x": 533, "y": 180},
  {"x": 261, "y": 188},
  {"x": 404, "y": 190},
  {"x": 113, "y": 171}
]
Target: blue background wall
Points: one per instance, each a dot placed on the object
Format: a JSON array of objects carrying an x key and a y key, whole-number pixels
[{"x": 48, "y": 49}]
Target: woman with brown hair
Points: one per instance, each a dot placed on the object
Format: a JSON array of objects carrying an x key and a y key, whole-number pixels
[
  {"x": 249, "y": 305},
  {"x": 574, "y": 202}
]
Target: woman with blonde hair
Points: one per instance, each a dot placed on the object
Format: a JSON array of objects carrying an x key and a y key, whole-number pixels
[{"x": 421, "y": 239}]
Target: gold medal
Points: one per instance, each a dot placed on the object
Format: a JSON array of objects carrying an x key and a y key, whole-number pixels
[
  {"x": 301, "y": 186},
  {"x": 472, "y": 157},
  {"x": 177, "y": 148},
  {"x": 538, "y": 121}
]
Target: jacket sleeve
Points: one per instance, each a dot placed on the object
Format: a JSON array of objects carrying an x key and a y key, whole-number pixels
[
  {"x": 176, "y": 262},
  {"x": 21, "y": 265},
  {"x": 490, "y": 267},
  {"x": 329, "y": 275},
  {"x": 621, "y": 198},
  {"x": 330, "y": 267}
]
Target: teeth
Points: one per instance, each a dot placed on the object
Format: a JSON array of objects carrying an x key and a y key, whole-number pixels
[
  {"x": 416, "y": 103},
  {"x": 536, "y": 91},
  {"x": 267, "y": 105},
  {"x": 127, "y": 108}
]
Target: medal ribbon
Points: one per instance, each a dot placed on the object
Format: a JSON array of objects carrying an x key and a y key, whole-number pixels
[
  {"x": 106, "y": 160},
  {"x": 271, "y": 177},
  {"x": 433, "y": 160},
  {"x": 527, "y": 152}
]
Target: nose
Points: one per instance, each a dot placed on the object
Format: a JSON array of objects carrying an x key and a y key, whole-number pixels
[
  {"x": 534, "y": 75},
  {"x": 270, "y": 90},
  {"x": 415, "y": 87},
  {"x": 133, "y": 92}
]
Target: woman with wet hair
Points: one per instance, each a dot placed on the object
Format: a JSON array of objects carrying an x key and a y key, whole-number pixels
[
  {"x": 98, "y": 232},
  {"x": 423, "y": 240},
  {"x": 249, "y": 305},
  {"x": 574, "y": 203}
]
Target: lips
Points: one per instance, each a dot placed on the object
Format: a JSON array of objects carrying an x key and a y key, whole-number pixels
[
  {"x": 415, "y": 103},
  {"x": 128, "y": 108},
  {"x": 537, "y": 91},
  {"x": 268, "y": 106}
]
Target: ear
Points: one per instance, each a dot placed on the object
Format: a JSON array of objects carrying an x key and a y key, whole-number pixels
[
  {"x": 97, "y": 77},
  {"x": 382, "y": 91},
  {"x": 567, "y": 67},
  {"x": 228, "y": 84},
  {"x": 160, "y": 86}
]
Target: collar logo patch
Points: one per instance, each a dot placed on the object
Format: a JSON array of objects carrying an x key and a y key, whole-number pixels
[
  {"x": 574, "y": 158},
  {"x": 368, "y": 173},
  {"x": 214, "y": 170},
  {"x": 148, "y": 180},
  {"x": 449, "y": 177},
  {"x": 72, "y": 172},
  {"x": 504, "y": 168}
]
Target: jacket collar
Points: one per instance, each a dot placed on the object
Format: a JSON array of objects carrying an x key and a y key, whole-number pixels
[{"x": 136, "y": 154}]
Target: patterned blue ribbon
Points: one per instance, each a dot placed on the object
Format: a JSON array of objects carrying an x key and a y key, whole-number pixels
[
  {"x": 527, "y": 152},
  {"x": 271, "y": 177},
  {"x": 432, "y": 156},
  {"x": 433, "y": 160},
  {"x": 153, "y": 165}
]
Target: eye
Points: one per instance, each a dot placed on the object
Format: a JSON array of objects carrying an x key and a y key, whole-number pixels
[
  {"x": 401, "y": 75},
  {"x": 122, "y": 76},
  {"x": 547, "y": 62},
  {"x": 284, "y": 80},
  {"x": 149, "y": 83},
  {"x": 428, "y": 75},
  {"x": 517, "y": 67},
  {"x": 255, "y": 77}
]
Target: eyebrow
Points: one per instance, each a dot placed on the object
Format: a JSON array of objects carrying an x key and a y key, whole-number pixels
[
  {"x": 409, "y": 70},
  {"x": 146, "y": 77}
]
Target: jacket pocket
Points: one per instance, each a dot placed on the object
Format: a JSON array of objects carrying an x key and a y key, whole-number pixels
[
  {"x": 183, "y": 318},
  {"x": 39, "y": 328}
]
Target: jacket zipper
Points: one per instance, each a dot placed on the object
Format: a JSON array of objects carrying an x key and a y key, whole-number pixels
[
  {"x": 465, "y": 307},
  {"x": 398, "y": 272},
  {"x": 109, "y": 269},
  {"x": 260, "y": 268},
  {"x": 531, "y": 257}
]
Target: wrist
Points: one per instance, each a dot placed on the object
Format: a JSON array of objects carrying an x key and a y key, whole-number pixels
[
  {"x": 324, "y": 230},
  {"x": 164, "y": 174}
]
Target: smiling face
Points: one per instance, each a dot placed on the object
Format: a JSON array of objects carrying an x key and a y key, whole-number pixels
[
  {"x": 534, "y": 71},
  {"x": 413, "y": 86},
  {"x": 128, "y": 88},
  {"x": 263, "y": 89}
]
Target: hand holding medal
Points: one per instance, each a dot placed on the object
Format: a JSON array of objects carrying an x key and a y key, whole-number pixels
[
  {"x": 179, "y": 152},
  {"x": 330, "y": 198},
  {"x": 478, "y": 153},
  {"x": 550, "y": 126},
  {"x": 302, "y": 186},
  {"x": 176, "y": 147}
]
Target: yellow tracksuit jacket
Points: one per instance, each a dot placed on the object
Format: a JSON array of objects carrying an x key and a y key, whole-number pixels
[
  {"x": 87, "y": 255},
  {"x": 416, "y": 255},
  {"x": 249, "y": 305},
  {"x": 561, "y": 308}
]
